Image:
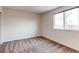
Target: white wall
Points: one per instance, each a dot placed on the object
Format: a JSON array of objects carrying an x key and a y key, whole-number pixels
[
  {"x": 68, "y": 38},
  {"x": 19, "y": 25}
]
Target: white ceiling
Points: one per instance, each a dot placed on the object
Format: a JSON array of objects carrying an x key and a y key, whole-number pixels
[{"x": 34, "y": 9}]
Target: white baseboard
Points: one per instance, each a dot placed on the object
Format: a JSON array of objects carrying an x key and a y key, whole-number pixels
[
  {"x": 17, "y": 39},
  {"x": 53, "y": 39}
]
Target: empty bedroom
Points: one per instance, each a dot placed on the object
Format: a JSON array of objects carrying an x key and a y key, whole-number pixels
[{"x": 39, "y": 29}]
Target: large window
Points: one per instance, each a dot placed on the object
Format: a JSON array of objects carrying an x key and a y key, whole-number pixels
[{"x": 67, "y": 20}]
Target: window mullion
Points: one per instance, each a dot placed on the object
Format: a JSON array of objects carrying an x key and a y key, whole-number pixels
[{"x": 64, "y": 20}]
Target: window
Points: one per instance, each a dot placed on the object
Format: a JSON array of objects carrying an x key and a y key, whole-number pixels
[
  {"x": 68, "y": 20},
  {"x": 71, "y": 19},
  {"x": 58, "y": 22}
]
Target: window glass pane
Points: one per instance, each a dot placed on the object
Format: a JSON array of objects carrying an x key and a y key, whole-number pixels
[
  {"x": 58, "y": 21},
  {"x": 71, "y": 19}
]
